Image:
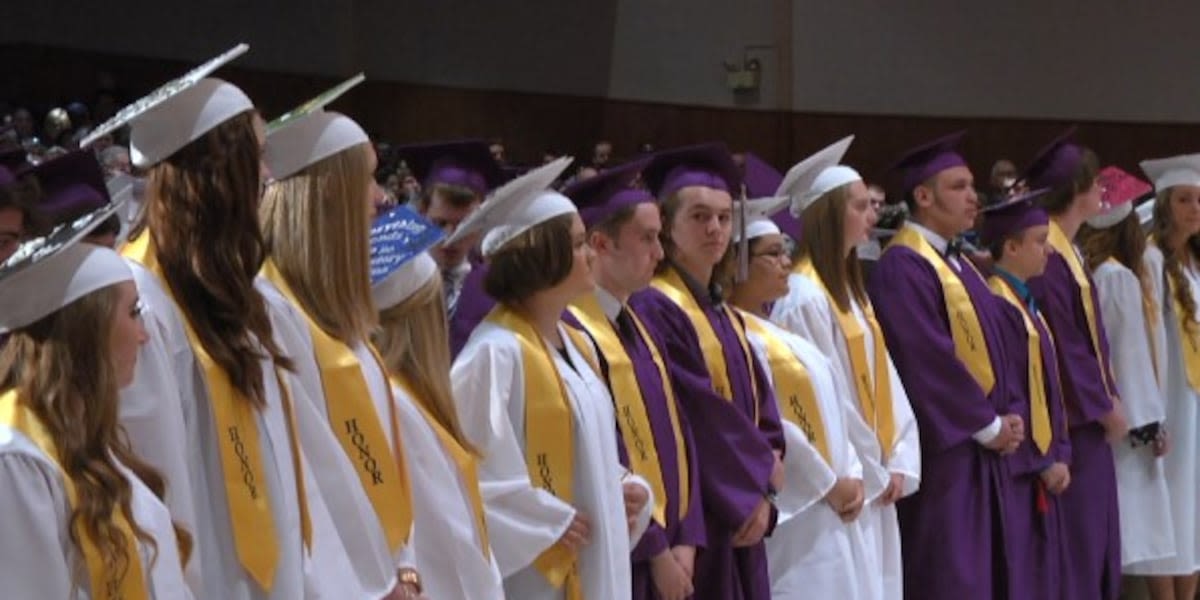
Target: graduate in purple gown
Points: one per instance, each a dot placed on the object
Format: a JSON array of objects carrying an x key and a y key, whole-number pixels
[
  {"x": 1016, "y": 233},
  {"x": 455, "y": 178},
  {"x": 944, "y": 329},
  {"x": 653, "y": 435},
  {"x": 720, "y": 385},
  {"x": 1070, "y": 305}
]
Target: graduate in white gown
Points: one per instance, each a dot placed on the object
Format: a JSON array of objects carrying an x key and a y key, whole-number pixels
[
  {"x": 1113, "y": 244},
  {"x": 261, "y": 528},
  {"x": 562, "y": 513},
  {"x": 320, "y": 204},
  {"x": 818, "y": 548},
  {"x": 83, "y": 515},
  {"x": 450, "y": 535},
  {"x": 827, "y": 304},
  {"x": 1173, "y": 261}
]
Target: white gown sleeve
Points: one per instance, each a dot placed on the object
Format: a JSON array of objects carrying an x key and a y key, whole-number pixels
[
  {"x": 905, "y": 458},
  {"x": 523, "y": 521},
  {"x": 1121, "y": 308},
  {"x": 37, "y": 559}
]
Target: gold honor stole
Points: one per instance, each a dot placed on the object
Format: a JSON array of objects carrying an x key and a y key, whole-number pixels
[
  {"x": 352, "y": 417},
  {"x": 467, "y": 463},
  {"x": 1039, "y": 407},
  {"x": 254, "y": 535},
  {"x": 631, "y": 406},
  {"x": 549, "y": 435},
  {"x": 793, "y": 381},
  {"x": 969, "y": 344},
  {"x": 673, "y": 287},
  {"x": 1060, "y": 243},
  {"x": 874, "y": 400},
  {"x": 108, "y": 581}
]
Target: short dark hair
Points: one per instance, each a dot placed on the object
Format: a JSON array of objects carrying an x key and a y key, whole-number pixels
[
  {"x": 536, "y": 260},
  {"x": 458, "y": 196},
  {"x": 611, "y": 225},
  {"x": 1059, "y": 199},
  {"x": 996, "y": 247}
]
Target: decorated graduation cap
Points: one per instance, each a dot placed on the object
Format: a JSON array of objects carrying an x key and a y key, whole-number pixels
[
  {"x": 400, "y": 264},
  {"x": 48, "y": 273},
  {"x": 177, "y": 113},
  {"x": 817, "y": 175},
  {"x": 1005, "y": 219},
  {"x": 919, "y": 164},
  {"x": 1166, "y": 173},
  {"x": 705, "y": 165},
  {"x": 309, "y": 134},
  {"x": 1056, "y": 163},
  {"x": 602, "y": 196},
  {"x": 517, "y": 206},
  {"x": 466, "y": 163},
  {"x": 1121, "y": 192}
]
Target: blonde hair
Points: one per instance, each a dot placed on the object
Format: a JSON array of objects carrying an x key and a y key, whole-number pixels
[
  {"x": 72, "y": 388},
  {"x": 414, "y": 341},
  {"x": 316, "y": 228}
]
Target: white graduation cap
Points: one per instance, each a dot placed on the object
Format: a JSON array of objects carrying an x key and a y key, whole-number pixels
[
  {"x": 757, "y": 214},
  {"x": 516, "y": 206},
  {"x": 1176, "y": 170},
  {"x": 308, "y": 134},
  {"x": 400, "y": 264},
  {"x": 50, "y": 272},
  {"x": 799, "y": 182},
  {"x": 121, "y": 191},
  {"x": 1145, "y": 212},
  {"x": 178, "y": 112}
]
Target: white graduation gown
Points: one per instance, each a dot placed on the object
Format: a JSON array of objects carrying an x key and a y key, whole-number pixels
[
  {"x": 321, "y": 573},
  {"x": 353, "y": 515},
  {"x": 812, "y": 553},
  {"x": 445, "y": 538},
  {"x": 523, "y": 521},
  {"x": 807, "y": 312},
  {"x": 38, "y": 558},
  {"x": 1146, "y": 531},
  {"x": 1183, "y": 425}
]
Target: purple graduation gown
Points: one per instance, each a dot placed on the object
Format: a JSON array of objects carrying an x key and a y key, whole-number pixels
[
  {"x": 473, "y": 307},
  {"x": 1035, "y": 529},
  {"x": 735, "y": 452},
  {"x": 688, "y": 531},
  {"x": 1093, "y": 544},
  {"x": 952, "y": 529}
]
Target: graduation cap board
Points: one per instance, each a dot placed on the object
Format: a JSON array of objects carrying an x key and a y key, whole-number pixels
[
  {"x": 753, "y": 218},
  {"x": 1121, "y": 190},
  {"x": 1056, "y": 163},
  {"x": 816, "y": 175},
  {"x": 1172, "y": 171},
  {"x": 400, "y": 264},
  {"x": 606, "y": 194},
  {"x": 1004, "y": 219},
  {"x": 50, "y": 272},
  {"x": 307, "y": 134},
  {"x": 178, "y": 112},
  {"x": 517, "y": 206},
  {"x": 705, "y": 165},
  {"x": 923, "y": 162}
]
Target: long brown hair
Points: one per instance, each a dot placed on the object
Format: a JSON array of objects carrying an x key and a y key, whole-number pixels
[
  {"x": 538, "y": 259},
  {"x": 414, "y": 341},
  {"x": 62, "y": 374},
  {"x": 823, "y": 241},
  {"x": 201, "y": 209},
  {"x": 316, "y": 228},
  {"x": 1174, "y": 258}
]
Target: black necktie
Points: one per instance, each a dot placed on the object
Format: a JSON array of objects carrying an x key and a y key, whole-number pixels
[
  {"x": 954, "y": 248},
  {"x": 625, "y": 326}
]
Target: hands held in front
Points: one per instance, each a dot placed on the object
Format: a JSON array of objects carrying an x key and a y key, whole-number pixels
[
  {"x": 755, "y": 527},
  {"x": 894, "y": 490},
  {"x": 636, "y": 498},
  {"x": 846, "y": 498},
  {"x": 1012, "y": 433},
  {"x": 1056, "y": 477},
  {"x": 578, "y": 533},
  {"x": 672, "y": 578}
]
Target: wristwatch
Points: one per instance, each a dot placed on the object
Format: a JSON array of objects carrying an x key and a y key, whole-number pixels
[{"x": 410, "y": 576}]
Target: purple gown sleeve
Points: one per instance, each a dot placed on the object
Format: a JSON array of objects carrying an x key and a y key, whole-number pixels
[
  {"x": 736, "y": 456},
  {"x": 949, "y": 404},
  {"x": 1082, "y": 379}
]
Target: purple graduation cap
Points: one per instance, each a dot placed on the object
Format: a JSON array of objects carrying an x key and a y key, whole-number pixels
[
  {"x": 467, "y": 163},
  {"x": 925, "y": 161},
  {"x": 72, "y": 185},
  {"x": 1005, "y": 219},
  {"x": 707, "y": 165},
  {"x": 599, "y": 197},
  {"x": 1056, "y": 163},
  {"x": 762, "y": 181}
]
